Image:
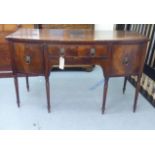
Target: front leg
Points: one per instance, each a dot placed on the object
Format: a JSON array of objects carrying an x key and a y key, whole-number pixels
[
  {"x": 124, "y": 86},
  {"x": 17, "y": 90},
  {"x": 27, "y": 83},
  {"x": 136, "y": 93},
  {"x": 48, "y": 93},
  {"x": 105, "y": 93}
]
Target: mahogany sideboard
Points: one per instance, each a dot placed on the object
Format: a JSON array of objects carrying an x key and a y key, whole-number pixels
[{"x": 119, "y": 53}]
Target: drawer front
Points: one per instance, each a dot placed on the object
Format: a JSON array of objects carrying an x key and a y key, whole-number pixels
[
  {"x": 126, "y": 59},
  {"x": 57, "y": 51},
  {"x": 98, "y": 51},
  {"x": 29, "y": 58},
  {"x": 5, "y": 58},
  {"x": 77, "y": 54},
  {"x": 78, "y": 51}
]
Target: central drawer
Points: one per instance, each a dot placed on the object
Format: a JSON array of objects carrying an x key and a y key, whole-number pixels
[{"x": 80, "y": 51}]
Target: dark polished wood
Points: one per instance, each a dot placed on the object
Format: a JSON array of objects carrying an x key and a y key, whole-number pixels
[
  {"x": 27, "y": 83},
  {"x": 136, "y": 94},
  {"x": 105, "y": 93},
  {"x": 124, "y": 85},
  {"x": 48, "y": 94},
  {"x": 17, "y": 91},
  {"x": 68, "y": 36},
  {"x": 67, "y": 26},
  {"x": 119, "y": 53}
]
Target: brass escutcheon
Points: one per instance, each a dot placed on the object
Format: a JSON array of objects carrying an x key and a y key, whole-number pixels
[{"x": 27, "y": 59}]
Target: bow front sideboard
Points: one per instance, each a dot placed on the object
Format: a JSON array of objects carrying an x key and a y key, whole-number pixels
[{"x": 119, "y": 53}]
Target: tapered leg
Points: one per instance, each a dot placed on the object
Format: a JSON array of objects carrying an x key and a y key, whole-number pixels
[
  {"x": 136, "y": 93},
  {"x": 48, "y": 94},
  {"x": 124, "y": 86},
  {"x": 27, "y": 83},
  {"x": 105, "y": 93},
  {"x": 17, "y": 90}
]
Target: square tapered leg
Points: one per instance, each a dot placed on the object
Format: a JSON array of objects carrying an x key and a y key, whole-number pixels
[
  {"x": 105, "y": 93},
  {"x": 124, "y": 85},
  {"x": 136, "y": 93},
  {"x": 48, "y": 94},
  {"x": 17, "y": 90},
  {"x": 27, "y": 83}
]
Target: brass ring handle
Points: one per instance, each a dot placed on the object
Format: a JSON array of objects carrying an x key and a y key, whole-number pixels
[
  {"x": 62, "y": 51},
  {"x": 27, "y": 59},
  {"x": 92, "y": 51},
  {"x": 125, "y": 61}
]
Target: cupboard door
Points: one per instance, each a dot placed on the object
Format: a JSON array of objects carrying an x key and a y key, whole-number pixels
[
  {"x": 29, "y": 58},
  {"x": 126, "y": 59}
]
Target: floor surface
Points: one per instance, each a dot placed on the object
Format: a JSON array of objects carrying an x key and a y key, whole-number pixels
[{"x": 76, "y": 98}]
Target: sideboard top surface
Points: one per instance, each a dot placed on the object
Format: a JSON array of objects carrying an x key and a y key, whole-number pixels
[{"x": 78, "y": 35}]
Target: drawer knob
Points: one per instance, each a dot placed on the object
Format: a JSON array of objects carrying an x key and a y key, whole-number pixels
[
  {"x": 28, "y": 59},
  {"x": 62, "y": 51},
  {"x": 92, "y": 51},
  {"x": 125, "y": 61}
]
